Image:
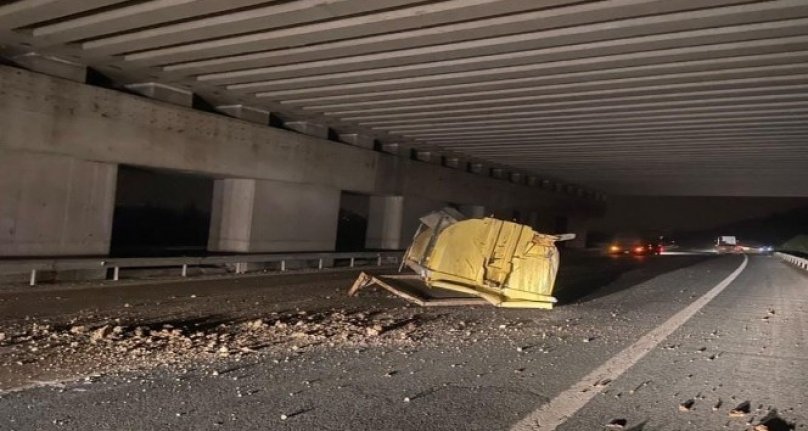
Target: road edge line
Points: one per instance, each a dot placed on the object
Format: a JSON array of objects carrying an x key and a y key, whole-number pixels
[{"x": 551, "y": 415}]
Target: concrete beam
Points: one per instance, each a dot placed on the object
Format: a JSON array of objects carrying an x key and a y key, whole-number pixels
[
  {"x": 358, "y": 140},
  {"x": 308, "y": 128},
  {"x": 387, "y": 21},
  {"x": 608, "y": 38},
  {"x": 246, "y": 113},
  {"x": 53, "y": 66},
  {"x": 163, "y": 93}
]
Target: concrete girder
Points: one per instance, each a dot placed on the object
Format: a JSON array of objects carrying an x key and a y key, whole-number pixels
[
  {"x": 776, "y": 119},
  {"x": 587, "y": 120},
  {"x": 476, "y": 34},
  {"x": 616, "y": 77},
  {"x": 798, "y": 126},
  {"x": 769, "y": 94},
  {"x": 406, "y": 125},
  {"x": 350, "y": 26},
  {"x": 25, "y": 12},
  {"x": 713, "y": 87},
  {"x": 405, "y": 76},
  {"x": 133, "y": 16},
  {"x": 742, "y": 77},
  {"x": 517, "y": 85},
  {"x": 226, "y": 24},
  {"x": 524, "y": 47}
]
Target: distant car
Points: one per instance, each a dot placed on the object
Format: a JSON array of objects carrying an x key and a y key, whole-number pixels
[{"x": 635, "y": 247}]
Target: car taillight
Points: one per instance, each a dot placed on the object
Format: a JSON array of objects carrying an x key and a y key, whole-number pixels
[
  {"x": 639, "y": 249},
  {"x": 614, "y": 248}
]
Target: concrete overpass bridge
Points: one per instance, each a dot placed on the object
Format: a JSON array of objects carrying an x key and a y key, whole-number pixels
[
  {"x": 534, "y": 110},
  {"x": 240, "y": 134}
]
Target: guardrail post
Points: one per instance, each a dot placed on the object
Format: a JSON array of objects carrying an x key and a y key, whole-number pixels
[
  {"x": 283, "y": 265},
  {"x": 116, "y": 272},
  {"x": 32, "y": 280},
  {"x": 352, "y": 262},
  {"x": 320, "y": 264},
  {"x": 184, "y": 269},
  {"x": 379, "y": 260}
]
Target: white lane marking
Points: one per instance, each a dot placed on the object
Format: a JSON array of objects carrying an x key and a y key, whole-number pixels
[{"x": 551, "y": 415}]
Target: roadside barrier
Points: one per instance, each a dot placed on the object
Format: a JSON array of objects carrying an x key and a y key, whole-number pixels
[
  {"x": 794, "y": 260},
  {"x": 238, "y": 262}
]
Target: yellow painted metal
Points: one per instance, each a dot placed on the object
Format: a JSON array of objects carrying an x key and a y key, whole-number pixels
[{"x": 507, "y": 264}]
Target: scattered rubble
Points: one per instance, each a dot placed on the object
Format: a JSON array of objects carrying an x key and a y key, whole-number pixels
[
  {"x": 741, "y": 410},
  {"x": 110, "y": 346},
  {"x": 686, "y": 406}
]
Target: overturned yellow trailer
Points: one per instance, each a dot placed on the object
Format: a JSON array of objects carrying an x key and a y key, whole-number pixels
[{"x": 505, "y": 263}]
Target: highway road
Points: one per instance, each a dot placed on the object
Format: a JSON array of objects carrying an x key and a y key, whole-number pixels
[{"x": 673, "y": 343}]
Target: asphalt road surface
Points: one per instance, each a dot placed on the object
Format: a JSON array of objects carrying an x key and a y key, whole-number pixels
[{"x": 736, "y": 361}]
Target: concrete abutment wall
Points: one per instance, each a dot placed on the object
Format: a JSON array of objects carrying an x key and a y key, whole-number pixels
[{"x": 52, "y": 205}]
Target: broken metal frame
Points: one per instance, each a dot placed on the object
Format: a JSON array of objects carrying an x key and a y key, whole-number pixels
[{"x": 365, "y": 280}]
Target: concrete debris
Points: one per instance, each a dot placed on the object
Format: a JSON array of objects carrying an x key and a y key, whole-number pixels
[
  {"x": 78, "y": 329},
  {"x": 741, "y": 410},
  {"x": 118, "y": 347},
  {"x": 616, "y": 424},
  {"x": 100, "y": 334},
  {"x": 686, "y": 406}
]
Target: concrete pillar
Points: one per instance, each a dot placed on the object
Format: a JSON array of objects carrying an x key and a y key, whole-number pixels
[
  {"x": 255, "y": 216},
  {"x": 393, "y": 220},
  {"x": 54, "y": 205},
  {"x": 384, "y": 222}
]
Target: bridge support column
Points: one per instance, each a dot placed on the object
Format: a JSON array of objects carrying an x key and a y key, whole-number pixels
[
  {"x": 393, "y": 220},
  {"x": 54, "y": 205},
  {"x": 257, "y": 216}
]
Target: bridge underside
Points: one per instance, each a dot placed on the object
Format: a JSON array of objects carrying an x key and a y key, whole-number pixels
[{"x": 625, "y": 96}]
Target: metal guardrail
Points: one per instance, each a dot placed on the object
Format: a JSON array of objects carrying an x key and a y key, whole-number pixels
[
  {"x": 32, "y": 266},
  {"x": 795, "y": 260}
]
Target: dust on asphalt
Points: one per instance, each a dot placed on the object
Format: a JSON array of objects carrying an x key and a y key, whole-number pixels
[{"x": 106, "y": 329}]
